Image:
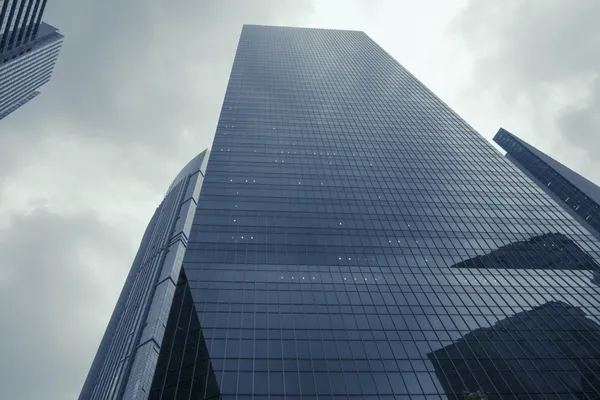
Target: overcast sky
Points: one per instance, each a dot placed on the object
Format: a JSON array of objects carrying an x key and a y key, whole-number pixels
[{"x": 136, "y": 94}]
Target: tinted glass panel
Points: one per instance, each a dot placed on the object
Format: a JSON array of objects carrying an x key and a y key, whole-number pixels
[{"x": 355, "y": 237}]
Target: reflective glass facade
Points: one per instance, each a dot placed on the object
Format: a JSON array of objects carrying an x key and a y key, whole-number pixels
[
  {"x": 580, "y": 197},
  {"x": 329, "y": 253},
  {"x": 355, "y": 239}
]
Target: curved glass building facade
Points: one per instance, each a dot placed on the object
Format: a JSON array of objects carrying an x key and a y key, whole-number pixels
[
  {"x": 356, "y": 239},
  {"x": 142, "y": 324}
]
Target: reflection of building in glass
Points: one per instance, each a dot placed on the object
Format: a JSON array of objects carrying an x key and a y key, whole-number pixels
[
  {"x": 551, "y": 350},
  {"x": 549, "y": 251},
  {"x": 577, "y": 195},
  {"x": 184, "y": 370}
]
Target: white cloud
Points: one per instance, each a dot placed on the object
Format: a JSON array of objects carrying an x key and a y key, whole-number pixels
[{"x": 537, "y": 63}]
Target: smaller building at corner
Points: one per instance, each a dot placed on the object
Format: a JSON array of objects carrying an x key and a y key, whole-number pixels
[{"x": 28, "y": 51}]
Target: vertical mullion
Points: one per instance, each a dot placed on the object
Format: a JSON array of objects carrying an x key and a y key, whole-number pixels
[
  {"x": 26, "y": 22},
  {"x": 2, "y": 16},
  {"x": 18, "y": 23},
  {"x": 4, "y": 40},
  {"x": 31, "y": 25},
  {"x": 38, "y": 20}
]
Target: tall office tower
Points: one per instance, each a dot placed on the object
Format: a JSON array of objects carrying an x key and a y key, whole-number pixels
[
  {"x": 356, "y": 239},
  {"x": 577, "y": 195},
  {"x": 28, "y": 51}
]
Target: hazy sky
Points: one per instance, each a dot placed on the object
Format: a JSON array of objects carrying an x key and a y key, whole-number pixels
[{"x": 136, "y": 94}]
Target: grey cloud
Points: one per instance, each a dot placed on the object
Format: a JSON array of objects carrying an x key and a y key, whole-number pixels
[
  {"x": 582, "y": 124},
  {"x": 530, "y": 48},
  {"x": 53, "y": 303},
  {"x": 533, "y": 41},
  {"x": 135, "y": 74}
]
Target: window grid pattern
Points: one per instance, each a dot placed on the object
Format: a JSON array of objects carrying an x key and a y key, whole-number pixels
[
  {"x": 183, "y": 370},
  {"x": 329, "y": 256}
]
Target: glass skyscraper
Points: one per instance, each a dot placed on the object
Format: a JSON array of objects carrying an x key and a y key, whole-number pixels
[
  {"x": 28, "y": 51},
  {"x": 355, "y": 239},
  {"x": 577, "y": 195}
]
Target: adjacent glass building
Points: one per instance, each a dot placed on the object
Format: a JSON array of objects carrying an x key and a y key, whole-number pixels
[
  {"x": 28, "y": 51},
  {"x": 127, "y": 358},
  {"x": 577, "y": 195},
  {"x": 355, "y": 239}
]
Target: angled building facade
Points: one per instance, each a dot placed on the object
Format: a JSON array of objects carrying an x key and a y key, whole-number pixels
[
  {"x": 577, "y": 195},
  {"x": 28, "y": 51},
  {"x": 353, "y": 236}
]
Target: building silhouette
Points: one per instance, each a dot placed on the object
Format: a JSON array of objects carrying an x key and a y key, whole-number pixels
[
  {"x": 28, "y": 52},
  {"x": 321, "y": 258}
]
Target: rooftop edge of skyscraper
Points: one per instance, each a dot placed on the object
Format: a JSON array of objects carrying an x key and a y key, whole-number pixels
[
  {"x": 576, "y": 194},
  {"x": 584, "y": 184},
  {"x": 301, "y": 28}
]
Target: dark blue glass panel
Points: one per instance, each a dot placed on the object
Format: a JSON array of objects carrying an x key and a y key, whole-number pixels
[{"x": 355, "y": 237}]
